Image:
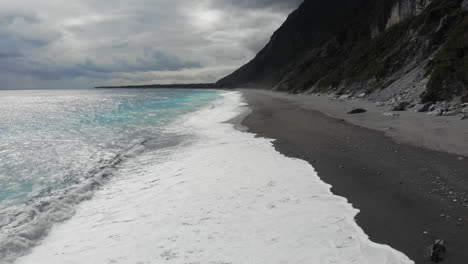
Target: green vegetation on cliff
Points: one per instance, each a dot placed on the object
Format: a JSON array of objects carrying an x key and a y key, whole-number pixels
[
  {"x": 343, "y": 45},
  {"x": 449, "y": 68}
]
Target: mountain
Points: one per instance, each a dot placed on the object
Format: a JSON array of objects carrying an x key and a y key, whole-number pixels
[{"x": 400, "y": 50}]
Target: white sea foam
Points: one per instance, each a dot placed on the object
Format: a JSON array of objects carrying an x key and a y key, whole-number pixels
[{"x": 227, "y": 198}]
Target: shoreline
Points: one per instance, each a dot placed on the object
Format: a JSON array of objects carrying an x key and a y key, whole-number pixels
[
  {"x": 408, "y": 195},
  {"x": 445, "y": 134},
  {"x": 246, "y": 212}
]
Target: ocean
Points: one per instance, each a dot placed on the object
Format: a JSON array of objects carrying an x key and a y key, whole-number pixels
[
  {"x": 156, "y": 176},
  {"x": 58, "y": 147}
]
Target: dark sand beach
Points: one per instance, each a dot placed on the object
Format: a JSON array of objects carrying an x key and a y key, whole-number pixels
[{"x": 410, "y": 192}]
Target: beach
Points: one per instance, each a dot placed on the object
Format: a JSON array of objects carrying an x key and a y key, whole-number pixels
[
  {"x": 253, "y": 176},
  {"x": 224, "y": 196},
  {"x": 406, "y": 174}
]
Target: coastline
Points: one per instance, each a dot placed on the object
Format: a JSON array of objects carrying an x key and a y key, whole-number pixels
[
  {"x": 445, "y": 134},
  {"x": 258, "y": 208},
  {"x": 408, "y": 195}
]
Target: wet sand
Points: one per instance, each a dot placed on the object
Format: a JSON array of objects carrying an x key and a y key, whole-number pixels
[{"x": 409, "y": 182}]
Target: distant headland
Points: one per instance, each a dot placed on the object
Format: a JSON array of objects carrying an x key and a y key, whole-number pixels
[{"x": 161, "y": 86}]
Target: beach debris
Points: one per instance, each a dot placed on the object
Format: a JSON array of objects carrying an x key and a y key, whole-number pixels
[
  {"x": 438, "y": 251},
  {"x": 357, "y": 111},
  {"x": 401, "y": 106},
  {"x": 341, "y": 166},
  {"x": 362, "y": 95},
  {"x": 379, "y": 173}
]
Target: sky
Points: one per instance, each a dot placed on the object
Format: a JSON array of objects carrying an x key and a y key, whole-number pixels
[{"x": 59, "y": 44}]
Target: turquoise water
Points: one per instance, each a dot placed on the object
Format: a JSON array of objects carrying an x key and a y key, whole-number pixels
[{"x": 57, "y": 147}]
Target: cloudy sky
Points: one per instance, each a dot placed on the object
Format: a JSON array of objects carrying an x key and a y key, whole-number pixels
[{"x": 83, "y": 43}]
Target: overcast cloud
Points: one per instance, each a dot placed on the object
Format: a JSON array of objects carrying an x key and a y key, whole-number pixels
[{"x": 83, "y": 43}]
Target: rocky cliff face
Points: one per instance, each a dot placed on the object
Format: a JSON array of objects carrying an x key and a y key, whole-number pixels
[
  {"x": 400, "y": 50},
  {"x": 405, "y": 9}
]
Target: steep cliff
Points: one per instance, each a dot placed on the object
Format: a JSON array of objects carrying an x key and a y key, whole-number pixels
[{"x": 413, "y": 50}]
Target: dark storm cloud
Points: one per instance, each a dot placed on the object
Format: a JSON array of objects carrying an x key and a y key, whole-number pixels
[
  {"x": 47, "y": 70},
  {"x": 131, "y": 41},
  {"x": 156, "y": 61},
  {"x": 12, "y": 43},
  {"x": 9, "y": 55},
  {"x": 9, "y": 16}
]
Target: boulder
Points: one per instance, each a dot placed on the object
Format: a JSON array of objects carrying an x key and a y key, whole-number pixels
[
  {"x": 436, "y": 112},
  {"x": 450, "y": 113},
  {"x": 379, "y": 103},
  {"x": 438, "y": 251},
  {"x": 401, "y": 106},
  {"x": 390, "y": 114},
  {"x": 357, "y": 111},
  {"x": 423, "y": 107}
]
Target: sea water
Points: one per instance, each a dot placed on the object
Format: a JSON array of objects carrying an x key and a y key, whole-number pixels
[
  {"x": 58, "y": 147},
  {"x": 144, "y": 176}
]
